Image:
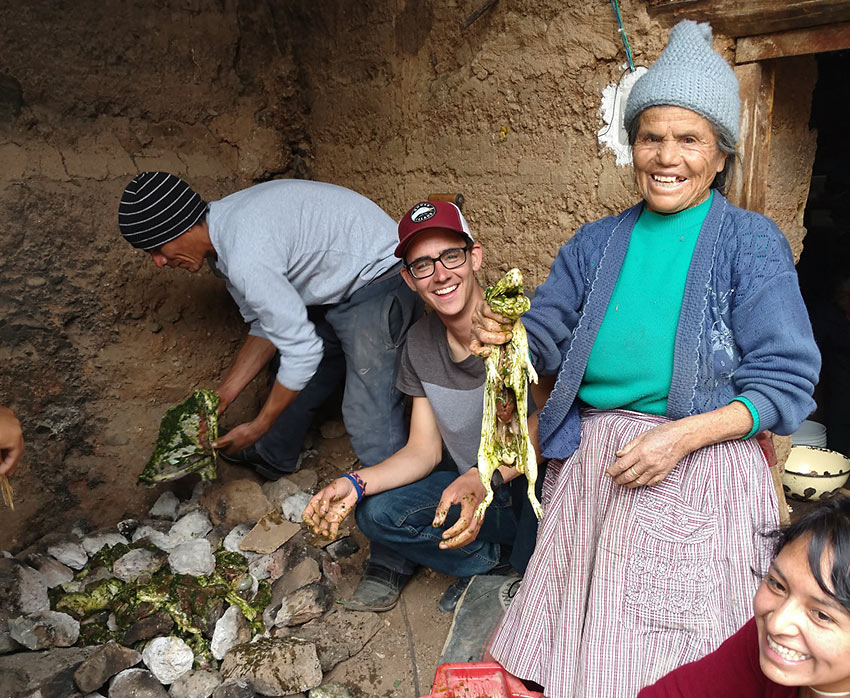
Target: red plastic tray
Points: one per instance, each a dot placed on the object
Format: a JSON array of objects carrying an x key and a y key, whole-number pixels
[{"x": 477, "y": 680}]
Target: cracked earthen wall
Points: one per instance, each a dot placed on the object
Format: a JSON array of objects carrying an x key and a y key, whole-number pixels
[
  {"x": 94, "y": 341},
  {"x": 392, "y": 99}
]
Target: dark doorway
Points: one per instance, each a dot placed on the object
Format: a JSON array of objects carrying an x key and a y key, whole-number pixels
[{"x": 824, "y": 266}]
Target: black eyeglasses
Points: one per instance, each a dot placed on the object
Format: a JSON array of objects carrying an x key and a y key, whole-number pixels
[{"x": 424, "y": 267}]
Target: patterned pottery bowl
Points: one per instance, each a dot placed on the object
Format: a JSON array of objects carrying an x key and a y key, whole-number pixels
[{"x": 813, "y": 473}]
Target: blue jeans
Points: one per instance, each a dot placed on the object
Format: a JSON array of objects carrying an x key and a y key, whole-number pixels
[
  {"x": 362, "y": 337},
  {"x": 398, "y": 526}
]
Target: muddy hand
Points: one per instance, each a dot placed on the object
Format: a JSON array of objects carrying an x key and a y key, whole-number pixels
[
  {"x": 468, "y": 492},
  {"x": 330, "y": 507},
  {"x": 488, "y": 329}
]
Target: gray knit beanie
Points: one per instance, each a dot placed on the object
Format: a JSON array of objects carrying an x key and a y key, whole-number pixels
[
  {"x": 690, "y": 74},
  {"x": 157, "y": 207}
]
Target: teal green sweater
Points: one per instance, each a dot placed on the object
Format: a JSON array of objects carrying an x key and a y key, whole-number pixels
[{"x": 631, "y": 362}]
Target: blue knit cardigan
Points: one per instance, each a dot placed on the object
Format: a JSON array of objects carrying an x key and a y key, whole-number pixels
[{"x": 743, "y": 328}]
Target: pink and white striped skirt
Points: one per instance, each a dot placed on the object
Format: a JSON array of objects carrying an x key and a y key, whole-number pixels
[{"x": 627, "y": 584}]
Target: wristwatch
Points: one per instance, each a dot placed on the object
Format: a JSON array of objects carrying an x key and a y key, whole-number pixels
[{"x": 496, "y": 480}]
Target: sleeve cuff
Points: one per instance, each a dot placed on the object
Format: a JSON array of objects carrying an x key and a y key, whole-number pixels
[{"x": 753, "y": 413}]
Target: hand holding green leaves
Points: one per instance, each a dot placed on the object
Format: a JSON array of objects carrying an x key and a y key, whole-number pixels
[{"x": 504, "y": 427}]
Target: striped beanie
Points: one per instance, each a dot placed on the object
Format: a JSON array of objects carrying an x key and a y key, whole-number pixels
[
  {"x": 157, "y": 207},
  {"x": 691, "y": 74}
]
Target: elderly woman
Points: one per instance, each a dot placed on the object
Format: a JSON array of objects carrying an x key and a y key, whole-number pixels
[
  {"x": 677, "y": 332},
  {"x": 798, "y": 643}
]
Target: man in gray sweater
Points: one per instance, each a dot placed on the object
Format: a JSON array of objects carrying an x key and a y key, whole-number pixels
[{"x": 311, "y": 267}]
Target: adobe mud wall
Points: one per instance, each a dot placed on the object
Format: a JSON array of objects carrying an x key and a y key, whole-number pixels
[
  {"x": 392, "y": 99},
  {"x": 94, "y": 341}
]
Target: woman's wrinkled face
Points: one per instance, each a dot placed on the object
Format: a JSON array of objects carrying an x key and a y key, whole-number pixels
[
  {"x": 804, "y": 634},
  {"x": 675, "y": 157}
]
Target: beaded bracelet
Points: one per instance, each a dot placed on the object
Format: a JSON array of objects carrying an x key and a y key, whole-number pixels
[{"x": 357, "y": 481}]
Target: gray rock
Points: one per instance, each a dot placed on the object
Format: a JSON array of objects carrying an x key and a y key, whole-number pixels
[
  {"x": 232, "y": 539},
  {"x": 217, "y": 535},
  {"x": 53, "y": 571},
  {"x": 92, "y": 544},
  {"x": 165, "y": 506},
  {"x": 330, "y": 690},
  {"x": 293, "y": 507},
  {"x": 45, "y": 629},
  {"x": 305, "y": 480},
  {"x": 148, "y": 627},
  {"x": 106, "y": 661},
  {"x": 136, "y": 683},
  {"x": 135, "y": 563},
  {"x": 153, "y": 534},
  {"x": 239, "y": 688},
  {"x": 277, "y": 491},
  {"x": 168, "y": 658},
  {"x": 332, "y": 571},
  {"x": 59, "y": 685},
  {"x": 339, "y": 635},
  {"x": 69, "y": 553},
  {"x": 232, "y": 629},
  {"x": 196, "y": 524},
  {"x": 22, "y": 590},
  {"x": 7, "y": 644},
  {"x": 22, "y": 673},
  {"x": 195, "y": 684},
  {"x": 304, "y": 573},
  {"x": 127, "y": 527},
  {"x": 192, "y": 557},
  {"x": 342, "y": 548},
  {"x": 261, "y": 565},
  {"x": 194, "y": 502},
  {"x": 98, "y": 574},
  {"x": 275, "y": 667},
  {"x": 303, "y": 605}
]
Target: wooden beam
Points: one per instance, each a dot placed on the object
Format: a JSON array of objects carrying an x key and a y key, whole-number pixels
[
  {"x": 793, "y": 43},
  {"x": 751, "y": 17},
  {"x": 749, "y": 188}
]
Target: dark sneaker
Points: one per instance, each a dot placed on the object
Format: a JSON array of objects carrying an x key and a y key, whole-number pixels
[
  {"x": 378, "y": 590},
  {"x": 249, "y": 458},
  {"x": 452, "y": 595}
]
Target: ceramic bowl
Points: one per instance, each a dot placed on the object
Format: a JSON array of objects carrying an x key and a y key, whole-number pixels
[{"x": 813, "y": 473}]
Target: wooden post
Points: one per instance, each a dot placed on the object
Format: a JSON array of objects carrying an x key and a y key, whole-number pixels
[{"x": 749, "y": 188}]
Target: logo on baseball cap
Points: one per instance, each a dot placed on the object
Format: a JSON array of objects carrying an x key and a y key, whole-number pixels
[{"x": 427, "y": 215}]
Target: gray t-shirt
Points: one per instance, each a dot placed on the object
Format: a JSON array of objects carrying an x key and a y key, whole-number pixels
[
  {"x": 287, "y": 244},
  {"x": 455, "y": 389}
]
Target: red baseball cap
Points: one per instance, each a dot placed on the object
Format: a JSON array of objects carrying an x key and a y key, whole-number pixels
[{"x": 427, "y": 215}]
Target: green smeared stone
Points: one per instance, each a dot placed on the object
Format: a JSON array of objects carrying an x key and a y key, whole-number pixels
[{"x": 184, "y": 445}]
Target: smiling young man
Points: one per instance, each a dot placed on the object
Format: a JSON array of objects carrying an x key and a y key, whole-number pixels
[
  {"x": 311, "y": 267},
  {"x": 412, "y": 512}
]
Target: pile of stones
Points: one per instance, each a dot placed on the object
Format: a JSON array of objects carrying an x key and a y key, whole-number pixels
[{"x": 223, "y": 595}]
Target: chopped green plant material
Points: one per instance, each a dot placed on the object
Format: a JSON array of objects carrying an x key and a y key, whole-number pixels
[
  {"x": 194, "y": 603},
  {"x": 184, "y": 445},
  {"x": 504, "y": 427}
]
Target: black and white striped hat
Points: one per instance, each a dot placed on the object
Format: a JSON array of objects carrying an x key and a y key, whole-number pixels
[{"x": 157, "y": 207}]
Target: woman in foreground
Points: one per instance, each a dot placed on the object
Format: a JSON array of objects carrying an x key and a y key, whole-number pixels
[
  {"x": 677, "y": 332},
  {"x": 798, "y": 643}
]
